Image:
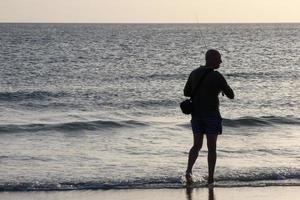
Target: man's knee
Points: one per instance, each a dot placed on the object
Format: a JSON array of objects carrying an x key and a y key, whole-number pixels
[
  {"x": 212, "y": 151},
  {"x": 197, "y": 147}
]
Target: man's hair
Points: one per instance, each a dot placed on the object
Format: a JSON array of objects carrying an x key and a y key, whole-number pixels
[{"x": 211, "y": 54}]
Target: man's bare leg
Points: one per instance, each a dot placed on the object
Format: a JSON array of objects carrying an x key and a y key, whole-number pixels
[
  {"x": 212, "y": 156},
  {"x": 193, "y": 155}
]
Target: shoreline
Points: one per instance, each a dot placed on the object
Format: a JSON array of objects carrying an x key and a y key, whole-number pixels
[{"x": 218, "y": 193}]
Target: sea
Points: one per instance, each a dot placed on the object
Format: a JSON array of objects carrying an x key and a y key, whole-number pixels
[{"x": 96, "y": 106}]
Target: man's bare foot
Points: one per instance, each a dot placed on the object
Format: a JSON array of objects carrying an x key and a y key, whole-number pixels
[
  {"x": 189, "y": 178},
  {"x": 210, "y": 182}
]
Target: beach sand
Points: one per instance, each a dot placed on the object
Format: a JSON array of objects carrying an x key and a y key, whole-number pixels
[{"x": 238, "y": 193}]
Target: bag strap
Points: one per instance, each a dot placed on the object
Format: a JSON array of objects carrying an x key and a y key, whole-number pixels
[{"x": 199, "y": 83}]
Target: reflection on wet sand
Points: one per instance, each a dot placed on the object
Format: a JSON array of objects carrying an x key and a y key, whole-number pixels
[
  {"x": 211, "y": 195},
  {"x": 189, "y": 194}
]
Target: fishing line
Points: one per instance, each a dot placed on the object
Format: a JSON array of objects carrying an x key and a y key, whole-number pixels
[
  {"x": 201, "y": 34},
  {"x": 204, "y": 39}
]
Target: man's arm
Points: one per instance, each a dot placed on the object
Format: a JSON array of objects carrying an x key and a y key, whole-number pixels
[
  {"x": 225, "y": 88},
  {"x": 228, "y": 92}
]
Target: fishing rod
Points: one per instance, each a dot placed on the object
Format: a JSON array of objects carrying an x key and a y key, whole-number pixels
[
  {"x": 201, "y": 34},
  {"x": 202, "y": 37}
]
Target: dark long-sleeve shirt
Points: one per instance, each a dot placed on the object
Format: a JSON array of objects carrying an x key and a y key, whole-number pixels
[{"x": 205, "y": 100}]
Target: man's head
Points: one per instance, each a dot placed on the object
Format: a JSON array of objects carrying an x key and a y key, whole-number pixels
[{"x": 213, "y": 58}]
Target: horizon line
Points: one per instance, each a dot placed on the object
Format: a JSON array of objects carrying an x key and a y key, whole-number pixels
[{"x": 149, "y": 22}]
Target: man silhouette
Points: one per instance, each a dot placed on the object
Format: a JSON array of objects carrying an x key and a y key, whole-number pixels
[{"x": 206, "y": 117}]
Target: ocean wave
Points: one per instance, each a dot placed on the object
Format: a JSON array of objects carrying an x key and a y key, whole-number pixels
[
  {"x": 111, "y": 124},
  {"x": 26, "y": 95},
  {"x": 261, "y": 121},
  {"x": 260, "y": 174},
  {"x": 291, "y": 178},
  {"x": 248, "y": 74},
  {"x": 69, "y": 126},
  {"x": 154, "y": 76},
  {"x": 260, "y": 75}
]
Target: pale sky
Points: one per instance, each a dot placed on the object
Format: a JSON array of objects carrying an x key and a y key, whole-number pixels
[{"x": 150, "y": 11}]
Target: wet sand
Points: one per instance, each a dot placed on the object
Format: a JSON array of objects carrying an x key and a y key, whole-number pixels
[{"x": 238, "y": 193}]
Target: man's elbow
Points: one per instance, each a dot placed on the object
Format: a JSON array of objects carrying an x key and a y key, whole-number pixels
[
  {"x": 231, "y": 95},
  {"x": 186, "y": 93}
]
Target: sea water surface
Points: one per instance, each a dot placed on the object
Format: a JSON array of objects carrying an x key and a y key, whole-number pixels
[{"x": 95, "y": 106}]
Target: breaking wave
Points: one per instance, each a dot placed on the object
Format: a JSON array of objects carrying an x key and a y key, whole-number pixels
[{"x": 252, "y": 179}]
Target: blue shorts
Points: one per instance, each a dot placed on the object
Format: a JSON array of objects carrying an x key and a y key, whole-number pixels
[{"x": 207, "y": 125}]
